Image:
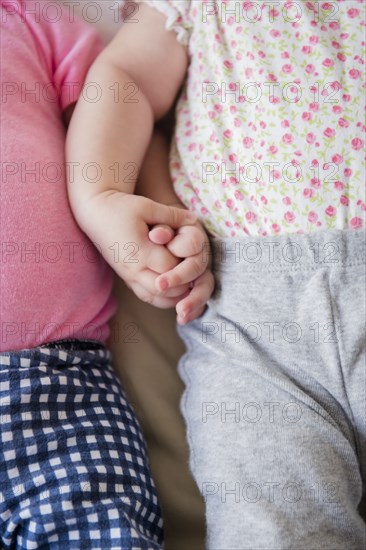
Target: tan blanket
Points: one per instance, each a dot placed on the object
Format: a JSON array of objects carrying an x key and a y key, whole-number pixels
[{"x": 146, "y": 350}]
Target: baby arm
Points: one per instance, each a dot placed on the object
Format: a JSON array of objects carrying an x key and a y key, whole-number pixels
[
  {"x": 109, "y": 134},
  {"x": 189, "y": 243}
]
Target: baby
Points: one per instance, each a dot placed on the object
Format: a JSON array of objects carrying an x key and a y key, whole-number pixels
[
  {"x": 74, "y": 467},
  {"x": 267, "y": 152}
]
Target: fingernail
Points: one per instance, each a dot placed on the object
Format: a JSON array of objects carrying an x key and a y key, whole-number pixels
[
  {"x": 185, "y": 313},
  {"x": 182, "y": 318},
  {"x": 164, "y": 285}
]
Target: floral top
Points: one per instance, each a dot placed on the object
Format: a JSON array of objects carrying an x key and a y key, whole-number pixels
[{"x": 270, "y": 127}]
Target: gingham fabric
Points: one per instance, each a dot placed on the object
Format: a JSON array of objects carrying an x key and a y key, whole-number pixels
[{"x": 74, "y": 472}]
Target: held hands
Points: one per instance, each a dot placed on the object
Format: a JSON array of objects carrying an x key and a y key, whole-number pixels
[
  {"x": 170, "y": 264},
  {"x": 190, "y": 244}
]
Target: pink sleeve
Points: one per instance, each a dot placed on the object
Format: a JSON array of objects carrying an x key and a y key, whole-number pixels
[
  {"x": 68, "y": 45},
  {"x": 76, "y": 46}
]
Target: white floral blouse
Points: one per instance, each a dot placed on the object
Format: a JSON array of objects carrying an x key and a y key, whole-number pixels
[{"x": 270, "y": 134}]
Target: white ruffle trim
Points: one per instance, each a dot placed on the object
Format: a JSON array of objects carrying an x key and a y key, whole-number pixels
[{"x": 172, "y": 16}]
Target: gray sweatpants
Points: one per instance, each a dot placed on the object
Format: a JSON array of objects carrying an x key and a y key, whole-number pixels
[{"x": 275, "y": 399}]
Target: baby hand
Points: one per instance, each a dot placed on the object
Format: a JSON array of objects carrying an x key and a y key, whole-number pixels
[
  {"x": 119, "y": 224},
  {"x": 192, "y": 245}
]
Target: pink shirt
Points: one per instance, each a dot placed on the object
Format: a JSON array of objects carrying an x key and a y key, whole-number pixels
[{"x": 54, "y": 285}]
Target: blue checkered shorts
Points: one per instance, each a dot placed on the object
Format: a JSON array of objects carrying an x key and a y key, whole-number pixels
[{"x": 74, "y": 472}]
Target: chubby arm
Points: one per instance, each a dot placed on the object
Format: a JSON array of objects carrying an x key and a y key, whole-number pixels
[
  {"x": 154, "y": 180},
  {"x": 144, "y": 65},
  {"x": 107, "y": 134}
]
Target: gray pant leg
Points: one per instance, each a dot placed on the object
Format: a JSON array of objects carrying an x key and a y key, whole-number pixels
[{"x": 275, "y": 375}]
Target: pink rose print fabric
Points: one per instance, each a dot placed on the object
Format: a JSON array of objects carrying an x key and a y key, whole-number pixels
[{"x": 270, "y": 134}]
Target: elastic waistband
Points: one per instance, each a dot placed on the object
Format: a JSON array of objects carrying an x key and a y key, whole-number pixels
[
  {"x": 329, "y": 248},
  {"x": 61, "y": 353},
  {"x": 76, "y": 345}
]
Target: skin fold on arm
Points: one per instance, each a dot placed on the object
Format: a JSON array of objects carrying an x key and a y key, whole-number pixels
[{"x": 116, "y": 131}]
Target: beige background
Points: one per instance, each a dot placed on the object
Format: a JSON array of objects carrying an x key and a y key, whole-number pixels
[{"x": 147, "y": 369}]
